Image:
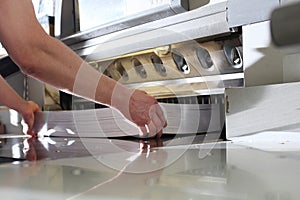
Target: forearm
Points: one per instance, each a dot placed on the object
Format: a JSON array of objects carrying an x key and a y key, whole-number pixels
[
  {"x": 49, "y": 60},
  {"x": 67, "y": 71},
  {"x": 46, "y": 58},
  {"x": 9, "y": 97}
]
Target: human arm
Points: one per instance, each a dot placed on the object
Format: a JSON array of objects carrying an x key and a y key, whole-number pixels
[
  {"x": 49, "y": 60},
  {"x": 11, "y": 99}
]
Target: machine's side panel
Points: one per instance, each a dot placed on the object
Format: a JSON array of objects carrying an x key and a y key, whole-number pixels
[
  {"x": 243, "y": 12},
  {"x": 262, "y": 61},
  {"x": 263, "y": 108}
]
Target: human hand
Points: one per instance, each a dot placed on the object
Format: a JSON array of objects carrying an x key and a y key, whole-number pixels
[
  {"x": 27, "y": 111},
  {"x": 147, "y": 114},
  {"x": 143, "y": 110}
]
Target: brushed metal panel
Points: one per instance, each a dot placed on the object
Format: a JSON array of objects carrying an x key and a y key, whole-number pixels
[
  {"x": 242, "y": 12},
  {"x": 263, "y": 108}
]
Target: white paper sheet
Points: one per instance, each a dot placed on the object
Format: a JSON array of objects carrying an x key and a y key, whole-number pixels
[{"x": 108, "y": 122}]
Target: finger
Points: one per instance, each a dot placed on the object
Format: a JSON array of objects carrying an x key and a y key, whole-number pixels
[
  {"x": 28, "y": 124},
  {"x": 144, "y": 132},
  {"x": 148, "y": 131},
  {"x": 152, "y": 130},
  {"x": 157, "y": 123},
  {"x": 37, "y": 109},
  {"x": 161, "y": 115},
  {"x": 31, "y": 133},
  {"x": 30, "y": 121},
  {"x": 159, "y": 134},
  {"x": 157, "y": 116},
  {"x": 154, "y": 126},
  {"x": 24, "y": 127},
  {"x": 30, "y": 127}
]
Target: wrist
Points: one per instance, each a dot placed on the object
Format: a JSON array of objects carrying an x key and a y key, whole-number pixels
[
  {"x": 121, "y": 98},
  {"x": 21, "y": 107}
]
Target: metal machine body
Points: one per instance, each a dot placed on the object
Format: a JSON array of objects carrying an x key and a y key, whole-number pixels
[
  {"x": 194, "y": 56},
  {"x": 234, "y": 77}
]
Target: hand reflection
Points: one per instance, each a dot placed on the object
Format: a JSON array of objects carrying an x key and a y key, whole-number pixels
[
  {"x": 147, "y": 145},
  {"x": 29, "y": 149},
  {"x": 33, "y": 149}
]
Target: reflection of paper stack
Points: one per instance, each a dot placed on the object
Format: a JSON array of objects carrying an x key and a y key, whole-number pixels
[{"x": 107, "y": 122}]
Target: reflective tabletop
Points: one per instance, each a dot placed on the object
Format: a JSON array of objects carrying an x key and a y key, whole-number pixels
[{"x": 257, "y": 167}]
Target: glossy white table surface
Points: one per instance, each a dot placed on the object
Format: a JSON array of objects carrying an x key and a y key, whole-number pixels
[{"x": 264, "y": 166}]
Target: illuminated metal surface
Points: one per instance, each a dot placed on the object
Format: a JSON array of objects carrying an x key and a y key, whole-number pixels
[
  {"x": 202, "y": 22},
  {"x": 116, "y": 15},
  {"x": 224, "y": 80}
]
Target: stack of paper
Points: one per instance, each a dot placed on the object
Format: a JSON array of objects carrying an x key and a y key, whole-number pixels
[{"x": 108, "y": 122}]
